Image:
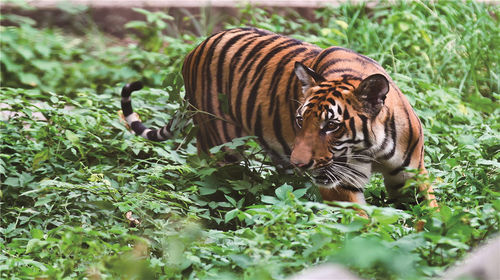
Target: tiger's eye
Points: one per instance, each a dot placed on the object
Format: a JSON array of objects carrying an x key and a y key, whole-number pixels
[{"x": 331, "y": 126}]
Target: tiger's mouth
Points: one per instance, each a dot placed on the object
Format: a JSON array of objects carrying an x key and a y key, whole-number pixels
[{"x": 338, "y": 175}]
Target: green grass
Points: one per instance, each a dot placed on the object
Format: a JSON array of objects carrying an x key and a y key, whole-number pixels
[{"x": 68, "y": 179}]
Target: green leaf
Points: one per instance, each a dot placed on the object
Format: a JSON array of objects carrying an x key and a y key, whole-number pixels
[
  {"x": 300, "y": 192},
  {"x": 351, "y": 227},
  {"x": 385, "y": 216},
  {"x": 25, "y": 52},
  {"x": 231, "y": 200},
  {"x": 39, "y": 158},
  {"x": 318, "y": 241},
  {"x": 493, "y": 163},
  {"x": 29, "y": 79},
  {"x": 32, "y": 244},
  {"x": 269, "y": 199},
  {"x": 445, "y": 213},
  {"x": 12, "y": 181},
  {"x": 282, "y": 191},
  {"x": 496, "y": 204},
  {"x": 45, "y": 65},
  {"x": 224, "y": 103},
  {"x": 72, "y": 137},
  {"x": 36, "y": 233},
  {"x": 242, "y": 261},
  {"x": 136, "y": 24},
  {"x": 207, "y": 190},
  {"x": 231, "y": 215}
]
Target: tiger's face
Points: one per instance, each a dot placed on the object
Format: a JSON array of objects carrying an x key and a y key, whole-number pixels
[{"x": 333, "y": 127}]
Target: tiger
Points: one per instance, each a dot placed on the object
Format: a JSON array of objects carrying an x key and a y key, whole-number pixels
[{"x": 332, "y": 113}]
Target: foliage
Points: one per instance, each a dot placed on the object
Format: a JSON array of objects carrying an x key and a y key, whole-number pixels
[{"x": 75, "y": 183}]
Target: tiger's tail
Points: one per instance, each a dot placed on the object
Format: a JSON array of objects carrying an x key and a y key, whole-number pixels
[{"x": 133, "y": 120}]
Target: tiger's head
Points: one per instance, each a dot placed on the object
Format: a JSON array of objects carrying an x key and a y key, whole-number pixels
[{"x": 334, "y": 127}]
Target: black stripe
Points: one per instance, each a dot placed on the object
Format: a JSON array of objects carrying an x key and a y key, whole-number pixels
[
  {"x": 350, "y": 141},
  {"x": 162, "y": 132},
  {"x": 351, "y": 188},
  {"x": 258, "y": 130},
  {"x": 325, "y": 53},
  {"x": 278, "y": 130},
  {"x": 408, "y": 146},
  {"x": 129, "y": 88},
  {"x": 406, "y": 161},
  {"x": 366, "y": 134},
  {"x": 387, "y": 131},
  {"x": 127, "y": 108},
  {"x": 138, "y": 127},
  {"x": 352, "y": 126},
  {"x": 346, "y": 114},
  {"x": 337, "y": 94},
  {"x": 410, "y": 129},
  {"x": 365, "y": 59},
  {"x": 292, "y": 87},
  {"x": 393, "y": 136},
  {"x": 341, "y": 70},
  {"x": 153, "y": 135},
  {"x": 322, "y": 90},
  {"x": 126, "y": 92},
  {"x": 347, "y": 77},
  {"x": 330, "y": 63},
  {"x": 420, "y": 160}
]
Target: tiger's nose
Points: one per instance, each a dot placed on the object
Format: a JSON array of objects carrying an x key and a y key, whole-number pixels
[{"x": 302, "y": 156}]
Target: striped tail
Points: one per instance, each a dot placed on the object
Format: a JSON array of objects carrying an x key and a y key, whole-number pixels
[{"x": 133, "y": 119}]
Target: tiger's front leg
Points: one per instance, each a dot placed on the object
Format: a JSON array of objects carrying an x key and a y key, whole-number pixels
[
  {"x": 395, "y": 182},
  {"x": 339, "y": 193},
  {"x": 345, "y": 193}
]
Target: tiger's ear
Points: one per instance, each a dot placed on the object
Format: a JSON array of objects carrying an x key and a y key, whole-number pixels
[
  {"x": 372, "y": 92},
  {"x": 307, "y": 76}
]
